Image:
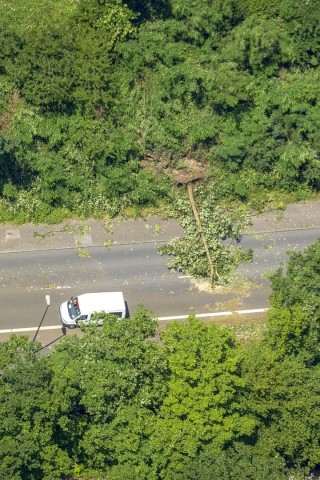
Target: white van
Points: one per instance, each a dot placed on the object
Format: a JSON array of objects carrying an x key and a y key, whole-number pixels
[{"x": 81, "y": 308}]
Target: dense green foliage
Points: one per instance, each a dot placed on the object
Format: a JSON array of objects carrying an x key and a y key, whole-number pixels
[
  {"x": 295, "y": 300},
  {"x": 116, "y": 403},
  {"x": 90, "y": 88}
]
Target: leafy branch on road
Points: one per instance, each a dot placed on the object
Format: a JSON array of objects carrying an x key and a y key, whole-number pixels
[{"x": 222, "y": 228}]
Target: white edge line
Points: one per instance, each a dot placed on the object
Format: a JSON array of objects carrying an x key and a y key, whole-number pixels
[
  {"x": 30, "y": 329},
  {"x": 215, "y": 314},
  {"x": 160, "y": 319}
]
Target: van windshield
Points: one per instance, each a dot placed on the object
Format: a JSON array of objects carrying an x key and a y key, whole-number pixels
[{"x": 73, "y": 307}]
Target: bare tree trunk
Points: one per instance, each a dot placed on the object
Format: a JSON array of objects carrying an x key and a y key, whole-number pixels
[{"x": 213, "y": 271}]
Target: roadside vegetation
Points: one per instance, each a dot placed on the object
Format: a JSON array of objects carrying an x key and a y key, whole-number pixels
[
  {"x": 102, "y": 101},
  {"x": 116, "y": 404}
]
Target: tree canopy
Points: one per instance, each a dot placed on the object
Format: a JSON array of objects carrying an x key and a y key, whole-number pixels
[{"x": 94, "y": 88}]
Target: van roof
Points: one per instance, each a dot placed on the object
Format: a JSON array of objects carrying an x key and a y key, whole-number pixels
[{"x": 101, "y": 302}]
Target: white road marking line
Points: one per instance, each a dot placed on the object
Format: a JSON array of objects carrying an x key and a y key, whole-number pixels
[
  {"x": 54, "y": 287},
  {"x": 215, "y": 314},
  {"x": 160, "y": 319},
  {"x": 30, "y": 329}
]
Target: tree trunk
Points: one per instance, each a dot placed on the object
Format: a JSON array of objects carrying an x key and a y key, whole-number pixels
[{"x": 214, "y": 276}]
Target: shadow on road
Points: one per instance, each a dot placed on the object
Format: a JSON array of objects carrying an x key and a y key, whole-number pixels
[{"x": 63, "y": 331}]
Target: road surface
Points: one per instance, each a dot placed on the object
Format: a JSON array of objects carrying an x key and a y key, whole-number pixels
[{"x": 137, "y": 270}]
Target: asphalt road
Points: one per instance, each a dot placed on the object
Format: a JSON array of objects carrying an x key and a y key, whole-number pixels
[{"x": 137, "y": 270}]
